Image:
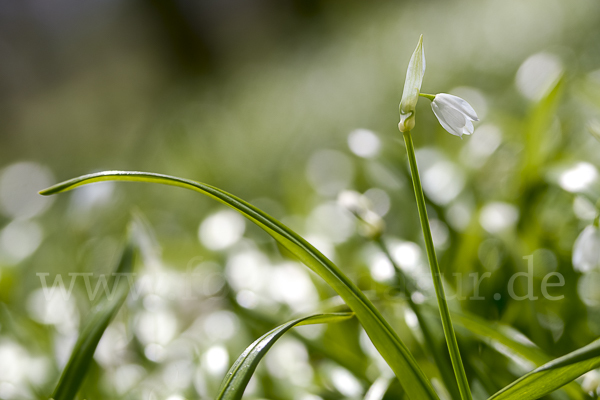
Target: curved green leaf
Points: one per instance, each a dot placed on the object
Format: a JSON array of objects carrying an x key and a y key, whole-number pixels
[
  {"x": 506, "y": 339},
  {"x": 592, "y": 350},
  {"x": 498, "y": 334},
  {"x": 553, "y": 375},
  {"x": 83, "y": 352},
  {"x": 337, "y": 352},
  {"x": 241, "y": 371},
  {"x": 387, "y": 342}
]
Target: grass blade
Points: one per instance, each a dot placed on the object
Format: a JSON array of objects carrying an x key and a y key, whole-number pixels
[
  {"x": 83, "y": 352},
  {"x": 241, "y": 371},
  {"x": 538, "y": 124},
  {"x": 503, "y": 337},
  {"x": 553, "y": 375},
  {"x": 498, "y": 334},
  {"x": 334, "y": 351},
  {"x": 387, "y": 342},
  {"x": 592, "y": 350}
]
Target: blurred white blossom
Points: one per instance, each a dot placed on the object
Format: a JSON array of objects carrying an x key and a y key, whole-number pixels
[{"x": 586, "y": 251}]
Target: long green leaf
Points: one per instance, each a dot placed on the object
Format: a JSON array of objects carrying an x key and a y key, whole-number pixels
[
  {"x": 498, "y": 334},
  {"x": 539, "y": 121},
  {"x": 332, "y": 350},
  {"x": 387, "y": 342},
  {"x": 553, "y": 375},
  {"x": 505, "y": 338},
  {"x": 592, "y": 350},
  {"x": 241, "y": 371},
  {"x": 83, "y": 352}
]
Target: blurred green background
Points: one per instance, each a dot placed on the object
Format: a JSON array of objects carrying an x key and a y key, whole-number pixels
[{"x": 286, "y": 104}]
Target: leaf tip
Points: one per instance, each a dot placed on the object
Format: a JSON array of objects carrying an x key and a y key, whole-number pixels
[
  {"x": 46, "y": 192},
  {"x": 59, "y": 187}
]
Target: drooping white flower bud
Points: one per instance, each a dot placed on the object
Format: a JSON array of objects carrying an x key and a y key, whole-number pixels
[
  {"x": 586, "y": 250},
  {"x": 455, "y": 114},
  {"x": 412, "y": 88},
  {"x": 372, "y": 225}
]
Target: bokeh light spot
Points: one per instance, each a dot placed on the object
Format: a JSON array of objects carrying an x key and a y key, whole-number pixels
[
  {"x": 18, "y": 240},
  {"x": 329, "y": 172},
  {"x": 221, "y": 230},
  {"x": 538, "y": 74},
  {"x": 579, "y": 177},
  {"x": 364, "y": 143},
  {"x": 496, "y": 217},
  {"x": 217, "y": 360},
  {"x": 19, "y": 187}
]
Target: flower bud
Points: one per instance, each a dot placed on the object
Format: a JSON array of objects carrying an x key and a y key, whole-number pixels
[
  {"x": 412, "y": 88},
  {"x": 371, "y": 224}
]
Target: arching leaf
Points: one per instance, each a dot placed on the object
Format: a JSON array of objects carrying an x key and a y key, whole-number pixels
[
  {"x": 387, "y": 342},
  {"x": 553, "y": 375},
  {"x": 241, "y": 371}
]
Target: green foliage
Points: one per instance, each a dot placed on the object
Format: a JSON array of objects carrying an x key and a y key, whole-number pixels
[
  {"x": 83, "y": 352},
  {"x": 553, "y": 375},
  {"x": 277, "y": 121},
  {"x": 496, "y": 334},
  {"x": 241, "y": 371},
  {"x": 385, "y": 339}
]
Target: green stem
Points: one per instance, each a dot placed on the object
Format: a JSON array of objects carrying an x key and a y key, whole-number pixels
[
  {"x": 459, "y": 370},
  {"x": 427, "y": 96}
]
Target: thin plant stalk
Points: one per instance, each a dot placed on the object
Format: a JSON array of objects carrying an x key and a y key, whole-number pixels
[{"x": 459, "y": 370}]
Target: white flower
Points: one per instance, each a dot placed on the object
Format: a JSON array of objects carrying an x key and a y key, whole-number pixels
[
  {"x": 454, "y": 113},
  {"x": 586, "y": 250}
]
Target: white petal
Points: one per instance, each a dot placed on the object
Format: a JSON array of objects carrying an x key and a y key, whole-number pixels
[
  {"x": 468, "y": 129},
  {"x": 460, "y": 104},
  {"x": 452, "y": 116},
  {"x": 448, "y": 119}
]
